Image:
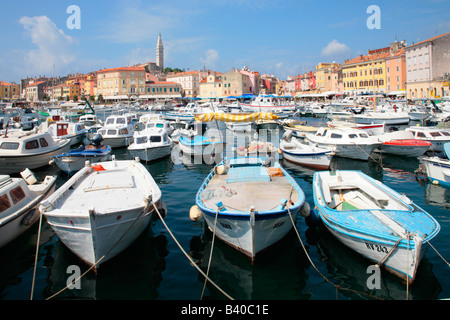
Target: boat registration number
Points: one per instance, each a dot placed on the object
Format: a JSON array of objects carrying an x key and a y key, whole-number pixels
[{"x": 376, "y": 247}]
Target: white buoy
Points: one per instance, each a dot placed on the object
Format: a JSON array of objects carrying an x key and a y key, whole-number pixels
[
  {"x": 221, "y": 170},
  {"x": 195, "y": 214}
]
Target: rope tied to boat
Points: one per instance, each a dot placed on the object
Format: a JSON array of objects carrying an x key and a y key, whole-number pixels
[
  {"x": 337, "y": 287},
  {"x": 219, "y": 207},
  {"x": 148, "y": 201},
  {"x": 189, "y": 258}
]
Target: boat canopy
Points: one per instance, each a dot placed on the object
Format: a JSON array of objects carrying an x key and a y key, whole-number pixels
[{"x": 206, "y": 117}]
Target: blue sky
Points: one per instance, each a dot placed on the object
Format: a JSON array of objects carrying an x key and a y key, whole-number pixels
[{"x": 280, "y": 37}]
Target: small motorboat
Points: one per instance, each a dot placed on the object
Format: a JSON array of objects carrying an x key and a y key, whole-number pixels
[
  {"x": 19, "y": 201},
  {"x": 402, "y": 143},
  {"x": 28, "y": 149},
  {"x": 374, "y": 220},
  {"x": 102, "y": 209},
  {"x": 346, "y": 142},
  {"x": 151, "y": 144},
  {"x": 305, "y": 154},
  {"x": 75, "y": 159},
  {"x": 252, "y": 201}
]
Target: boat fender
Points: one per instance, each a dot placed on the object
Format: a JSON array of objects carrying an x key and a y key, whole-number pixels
[
  {"x": 51, "y": 162},
  {"x": 195, "y": 214},
  {"x": 28, "y": 176},
  {"x": 30, "y": 217},
  {"x": 305, "y": 210},
  {"x": 221, "y": 170}
]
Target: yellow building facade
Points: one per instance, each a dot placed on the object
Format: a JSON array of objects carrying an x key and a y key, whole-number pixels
[
  {"x": 367, "y": 73},
  {"x": 121, "y": 83}
]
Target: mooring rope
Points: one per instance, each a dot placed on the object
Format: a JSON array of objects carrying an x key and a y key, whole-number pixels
[
  {"x": 189, "y": 258},
  {"x": 36, "y": 256},
  {"x": 318, "y": 271},
  {"x": 210, "y": 253},
  {"x": 145, "y": 210}
]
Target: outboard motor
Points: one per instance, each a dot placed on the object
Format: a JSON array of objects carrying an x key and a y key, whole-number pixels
[{"x": 97, "y": 140}]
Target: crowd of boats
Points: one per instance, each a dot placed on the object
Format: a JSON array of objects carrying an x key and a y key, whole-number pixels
[{"x": 248, "y": 200}]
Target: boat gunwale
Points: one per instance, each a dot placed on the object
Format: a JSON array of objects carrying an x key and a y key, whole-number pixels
[
  {"x": 354, "y": 227},
  {"x": 244, "y": 215}
]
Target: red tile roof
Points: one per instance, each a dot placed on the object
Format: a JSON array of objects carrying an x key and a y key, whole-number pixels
[
  {"x": 431, "y": 39},
  {"x": 122, "y": 69}
]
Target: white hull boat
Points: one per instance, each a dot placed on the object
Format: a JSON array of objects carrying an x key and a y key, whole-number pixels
[
  {"x": 438, "y": 169},
  {"x": 388, "y": 118},
  {"x": 21, "y": 149},
  {"x": 304, "y": 154},
  {"x": 437, "y": 137},
  {"x": 118, "y": 131},
  {"x": 345, "y": 142},
  {"x": 151, "y": 144},
  {"x": 102, "y": 209},
  {"x": 374, "y": 220},
  {"x": 247, "y": 219},
  {"x": 20, "y": 199}
]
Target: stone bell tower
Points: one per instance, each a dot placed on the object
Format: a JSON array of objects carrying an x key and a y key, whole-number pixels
[{"x": 160, "y": 54}]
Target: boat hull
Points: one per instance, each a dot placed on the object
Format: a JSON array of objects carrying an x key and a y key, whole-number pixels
[
  {"x": 376, "y": 221},
  {"x": 438, "y": 170},
  {"x": 320, "y": 161},
  {"x": 118, "y": 142},
  {"x": 201, "y": 148},
  {"x": 24, "y": 218},
  {"x": 406, "y": 150},
  {"x": 248, "y": 220},
  {"x": 151, "y": 154},
  {"x": 90, "y": 238},
  {"x": 14, "y": 164}
]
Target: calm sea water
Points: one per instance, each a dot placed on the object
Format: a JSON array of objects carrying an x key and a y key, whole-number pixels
[{"x": 154, "y": 268}]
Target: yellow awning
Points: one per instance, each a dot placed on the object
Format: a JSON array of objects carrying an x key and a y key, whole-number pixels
[{"x": 236, "y": 117}]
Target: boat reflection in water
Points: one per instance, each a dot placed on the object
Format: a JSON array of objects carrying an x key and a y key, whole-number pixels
[{"x": 135, "y": 274}]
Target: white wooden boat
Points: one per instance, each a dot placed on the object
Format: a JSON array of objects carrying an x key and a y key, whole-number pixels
[
  {"x": 75, "y": 132},
  {"x": 159, "y": 124},
  {"x": 252, "y": 203},
  {"x": 151, "y": 144},
  {"x": 19, "y": 201},
  {"x": 18, "y": 118},
  {"x": 304, "y": 154},
  {"x": 118, "y": 131},
  {"x": 370, "y": 129},
  {"x": 374, "y": 220},
  {"x": 102, "y": 209},
  {"x": 346, "y": 142},
  {"x": 438, "y": 137},
  {"x": 257, "y": 148},
  {"x": 28, "y": 149}
]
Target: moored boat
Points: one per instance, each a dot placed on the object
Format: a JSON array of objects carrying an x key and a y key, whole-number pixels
[
  {"x": 19, "y": 201},
  {"x": 32, "y": 150},
  {"x": 346, "y": 142},
  {"x": 75, "y": 159},
  {"x": 374, "y": 220},
  {"x": 304, "y": 154},
  {"x": 102, "y": 209},
  {"x": 151, "y": 144},
  {"x": 247, "y": 219}
]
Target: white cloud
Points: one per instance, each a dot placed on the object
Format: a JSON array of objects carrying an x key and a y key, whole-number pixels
[
  {"x": 211, "y": 59},
  {"x": 53, "y": 46},
  {"x": 335, "y": 48}
]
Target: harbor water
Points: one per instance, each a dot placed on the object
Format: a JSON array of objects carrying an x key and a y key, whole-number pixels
[{"x": 313, "y": 267}]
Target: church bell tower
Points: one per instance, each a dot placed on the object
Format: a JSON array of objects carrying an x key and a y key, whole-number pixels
[{"x": 160, "y": 54}]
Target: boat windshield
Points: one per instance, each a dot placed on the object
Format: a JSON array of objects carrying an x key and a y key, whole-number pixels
[{"x": 155, "y": 139}]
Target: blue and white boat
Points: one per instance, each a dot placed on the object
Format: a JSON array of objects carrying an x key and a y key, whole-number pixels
[
  {"x": 374, "y": 220},
  {"x": 251, "y": 201},
  {"x": 75, "y": 159},
  {"x": 202, "y": 145},
  {"x": 438, "y": 169}
]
